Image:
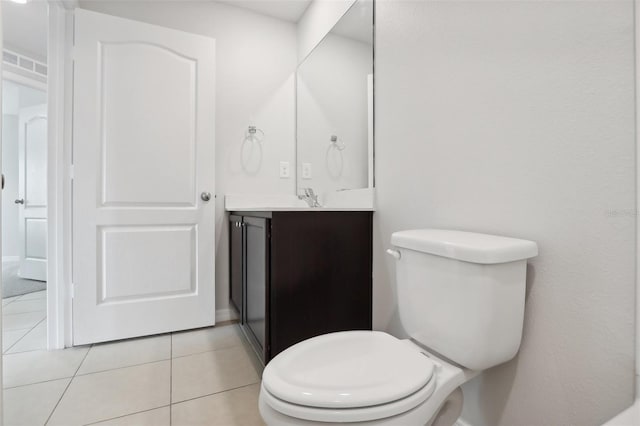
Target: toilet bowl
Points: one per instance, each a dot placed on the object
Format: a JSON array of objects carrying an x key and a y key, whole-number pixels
[
  {"x": 360, "y": 377},
  {"x": 461, "y": 302}
]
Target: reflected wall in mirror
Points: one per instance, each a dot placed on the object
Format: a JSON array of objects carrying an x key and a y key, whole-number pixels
[{"x": 335, "y": 107}]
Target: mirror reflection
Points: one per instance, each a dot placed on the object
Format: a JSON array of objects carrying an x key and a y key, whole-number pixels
[{"x": 335, "y": 107}]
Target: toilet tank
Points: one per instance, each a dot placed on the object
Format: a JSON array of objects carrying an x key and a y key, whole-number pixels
[{"x": 461, "y": 294}]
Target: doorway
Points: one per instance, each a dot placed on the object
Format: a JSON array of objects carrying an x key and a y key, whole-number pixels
[{"x": 24, "y": 166}]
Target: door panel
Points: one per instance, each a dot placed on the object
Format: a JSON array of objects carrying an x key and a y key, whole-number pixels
[
  {"x": 143, "y": 237},
  {"x": 33, "y": 192},
  {"x": 146, "y": 262},
  {"x": 134, "y": 162}
]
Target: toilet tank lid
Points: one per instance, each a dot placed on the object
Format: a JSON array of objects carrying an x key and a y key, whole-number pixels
[{"x": 466, "y": 246}]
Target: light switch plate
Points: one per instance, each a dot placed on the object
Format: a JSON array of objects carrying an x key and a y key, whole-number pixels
[
  {"x": 284, "y": 169},
  {"x": 306, "y": 171}
]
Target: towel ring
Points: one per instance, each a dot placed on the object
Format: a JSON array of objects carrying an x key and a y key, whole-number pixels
[
  {"x": 254, "y": 134},
  {"x": 334, "y": 142}
]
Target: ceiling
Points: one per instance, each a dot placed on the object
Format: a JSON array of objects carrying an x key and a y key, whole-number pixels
[
  {"x": 24, "y": 27},
  {"x": 288, "y": 10}
]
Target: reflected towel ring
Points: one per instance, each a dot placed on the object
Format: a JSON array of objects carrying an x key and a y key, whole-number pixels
[
  {"x": 254, "y": 134},
  {"x": 334, "y": 142}
]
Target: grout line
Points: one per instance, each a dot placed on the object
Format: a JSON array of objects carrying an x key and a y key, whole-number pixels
[
  {"x": 37, "y": 383},
  {"x": 32, "y": 298},
  {"x": 15, "y": 299},
  {"x": 125, "y": 415},
  {"x": 216, "y": 393},
  {"x": 210, "y": 350},
  {"x": 120, "y": 368},
  {"x": 6, "y": 352},
  {"x": 67, "y": 388}
]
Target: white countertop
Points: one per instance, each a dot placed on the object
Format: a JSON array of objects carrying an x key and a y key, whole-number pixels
[{"x": 352, "y": 200}]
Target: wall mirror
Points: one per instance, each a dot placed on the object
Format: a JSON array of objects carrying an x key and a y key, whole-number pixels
[{"x": 335, "y": 107}]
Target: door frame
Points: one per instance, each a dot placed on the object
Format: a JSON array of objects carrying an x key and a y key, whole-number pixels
[{"x": 59, "y": 173}]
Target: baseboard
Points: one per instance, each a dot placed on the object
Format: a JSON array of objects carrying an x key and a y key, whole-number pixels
[
  {"x": 10, "y": 259},
  {"x": 461, "y": 422},
  {"x": 226, "y": 315}
]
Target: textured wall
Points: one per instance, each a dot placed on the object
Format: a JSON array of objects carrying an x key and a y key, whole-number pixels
[{"x": 517, "y": 118}]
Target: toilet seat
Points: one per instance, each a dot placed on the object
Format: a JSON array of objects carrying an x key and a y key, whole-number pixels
[{"x": 379, "y": 376}]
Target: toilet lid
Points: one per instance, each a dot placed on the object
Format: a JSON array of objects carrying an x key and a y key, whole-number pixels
[{"x": 347, "y": 370}]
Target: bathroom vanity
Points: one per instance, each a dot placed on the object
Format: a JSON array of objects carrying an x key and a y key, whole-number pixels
[{"x": 299, "y": 274}]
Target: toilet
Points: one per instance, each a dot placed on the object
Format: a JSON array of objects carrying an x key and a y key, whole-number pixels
[{"x": 461, "y": 302}]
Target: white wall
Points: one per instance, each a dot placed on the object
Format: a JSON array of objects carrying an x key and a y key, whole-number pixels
[
  {"x": 10, "y": 236},
  {"x": 256, "y": 59},
  {"x": 517, "y": 118},
  {"x": 332, "y": 100},
  {"x": 317, "y": 21}
]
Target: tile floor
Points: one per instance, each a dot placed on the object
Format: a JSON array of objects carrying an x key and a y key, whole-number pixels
[{"x": 202, "y": 377}]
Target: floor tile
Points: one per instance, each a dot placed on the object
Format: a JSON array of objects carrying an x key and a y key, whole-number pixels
[
  {"x": 35, "y": 295},
  {"x": 157, "y": 417},
  {"x": 109, "y": 394},
  {"x": 34, "y": 340},
  {"x": 39, "y": 366},
  {"x": 206, "y": 339},
  {"x": 235, "y": 407},
  {"x": 209, "y": 372},
  {"x": 126, "y": 353},
  {"x": 9, "y": 300},
  {"x": 9, "y": 338},
  {"x": 20, "y": 321},
  {"x": 22, "y": 306},
  {"x": 32, "y": 404}
]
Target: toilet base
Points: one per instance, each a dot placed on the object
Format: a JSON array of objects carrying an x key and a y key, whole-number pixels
[{"x": 449, "y": 412}]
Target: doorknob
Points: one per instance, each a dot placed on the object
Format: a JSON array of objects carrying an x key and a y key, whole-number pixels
[
  {"x": 206, "y": 196},
  {"x": 19, "y": 201}
]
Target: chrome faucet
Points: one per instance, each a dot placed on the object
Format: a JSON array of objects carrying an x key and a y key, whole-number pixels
[{"x": 310, "y": 197}]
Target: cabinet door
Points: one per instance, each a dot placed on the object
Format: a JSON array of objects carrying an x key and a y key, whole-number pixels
[
  {"x": 236, "y": 248},
  {"x": 320, "y": 276},
  {"x": 257, "y": 257}
]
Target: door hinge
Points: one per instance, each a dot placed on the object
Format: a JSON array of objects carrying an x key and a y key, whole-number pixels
[
  {"x": 71, "y": 172},
  {"x": 73, "y": 290}
]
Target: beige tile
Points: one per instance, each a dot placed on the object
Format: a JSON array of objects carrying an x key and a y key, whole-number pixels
[
  {"x": 109, "y": 394},
  {"x": 234, "y": 407},
  {"x": 9, "y": 300},
  {"x": 39, "y": 366},
  {"x": 9, "y": 338},
  {"x": 20, "y": 321},
  {"x": 206, "y": 339},
  {"x": 32, "y": 404},
  {"x": 34, "y": 340},
  {"x": 209, "y": 372},
  {"x": 157, "y": 417},
  {"x": 22, "y": 306},
  {"x": 126, "y": 353},
  {"x": 35, "y": 295}
]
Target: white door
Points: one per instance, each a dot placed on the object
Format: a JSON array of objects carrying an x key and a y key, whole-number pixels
[
  {"x": 32, "y": 192},
  {"x": 143, "y": 155}
]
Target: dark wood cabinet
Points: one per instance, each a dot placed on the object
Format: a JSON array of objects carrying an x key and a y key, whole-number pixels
[{"x": 303, "y": 274}]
